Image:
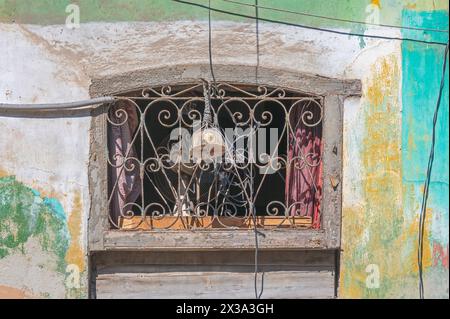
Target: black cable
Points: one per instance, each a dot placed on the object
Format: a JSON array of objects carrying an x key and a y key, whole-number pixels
[
  {"x": 336, "y": 19},
  {"x": 255, "y": 220},
  {"x": 257, "y": 233},
  {"x": 257, "y": 41},
  {"x": 423, "y": 210},
  {"x": 210, "y": 46},
  {"x": 310, "y": 27}
]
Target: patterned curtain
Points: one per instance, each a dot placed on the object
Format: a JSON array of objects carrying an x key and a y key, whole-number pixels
[
  {"x": 304, "y": 174},
  {"x": 125, "y": 186}
]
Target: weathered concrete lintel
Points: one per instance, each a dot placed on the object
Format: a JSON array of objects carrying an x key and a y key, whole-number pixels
[
  {"x": 312, "y": 84},
  {"x": 212, "y": 240}
]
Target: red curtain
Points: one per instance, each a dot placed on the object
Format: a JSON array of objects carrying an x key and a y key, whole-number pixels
[
  {"x": 124, "y": 171},
  {"x": 304, "y": 169}
]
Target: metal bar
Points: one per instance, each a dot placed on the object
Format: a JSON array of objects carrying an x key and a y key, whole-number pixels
[
  {"x": 174, "y": 199},
  {"x": 212, "y": 98},
  {"x": 92, "y": 103}
]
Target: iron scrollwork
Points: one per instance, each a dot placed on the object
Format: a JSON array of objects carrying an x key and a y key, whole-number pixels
[{"x": 156, "y": 182}]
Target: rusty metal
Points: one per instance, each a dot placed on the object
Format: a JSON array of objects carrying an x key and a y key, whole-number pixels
[{"x": 221, "y": 193}]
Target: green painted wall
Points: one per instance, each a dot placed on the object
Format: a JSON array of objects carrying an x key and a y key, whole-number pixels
[
  {"x": 26, "y": 215},
  {"x": 381, "y": 230},
  {"x": 53, "y": 11},
  {"x": 422, "y": 71}
]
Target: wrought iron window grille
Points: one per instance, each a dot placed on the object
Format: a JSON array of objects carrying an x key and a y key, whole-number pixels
[{"x": 194, "y": 157}]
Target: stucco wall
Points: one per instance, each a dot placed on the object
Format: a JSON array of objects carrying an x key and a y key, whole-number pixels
[{"x": 44, "y": 198}]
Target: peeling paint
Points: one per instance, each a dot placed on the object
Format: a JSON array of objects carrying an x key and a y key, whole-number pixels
[
  {"x": 75, "y": 254},
  {"x": 24, "y": 214},
  {"x": 382, "y": 228},
  {"x": 440, "y": 255},
  {"x": 422, "y": 68},
  {"x": 372, "y": 231},
  {"x": 388, "y": 136}
]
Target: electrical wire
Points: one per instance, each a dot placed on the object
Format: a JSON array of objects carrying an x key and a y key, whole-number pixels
[
  {"x": 335, "y": 19},
  {"x": 102, "y": 100},
  {"x": 255, "y": 221},
  {"x": 423, "y": 210},
  {"x": 210, "y": 46},
  {"x": 372, "y": 36},
  {"x": 257, "y": 41},
  {"x": 57, "y": 106}
]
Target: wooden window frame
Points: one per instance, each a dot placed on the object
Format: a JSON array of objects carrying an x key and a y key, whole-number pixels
[{"x": 101, "y": 237}]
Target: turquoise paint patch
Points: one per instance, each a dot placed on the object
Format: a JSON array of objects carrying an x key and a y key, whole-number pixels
[
  {"x": 36, "y": 193},
  {"x": 56, "y": 207},
  {"x": 422, "y": 71}
]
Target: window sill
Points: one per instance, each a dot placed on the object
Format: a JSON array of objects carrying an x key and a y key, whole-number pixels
[
  {"x": 120, "y": 240},
  {"x": 210, "y": 223}
]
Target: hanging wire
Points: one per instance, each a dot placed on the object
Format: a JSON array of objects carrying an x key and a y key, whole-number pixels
[
  {"x": 257, "y": 41},
  {"x": 423, "y": 210},
  {"x": 210, "y": 46},
  {"x": 372, "y": 36},
  {"x": 255, "y": 220},
  {"x": 422, "y": 220},
  {"x": 305, "y": 14}
]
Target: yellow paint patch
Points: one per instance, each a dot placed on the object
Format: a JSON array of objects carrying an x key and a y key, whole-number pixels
[
  {"x": 383, "y": 83},
  {"x": 352, "y": 281},
  {"x": 75, "y": 253},
  {"x": 376, "y": 3},
  {"x": 413, "y": 230}
]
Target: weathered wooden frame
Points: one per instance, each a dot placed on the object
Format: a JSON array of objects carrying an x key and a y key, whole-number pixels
[{"x": 101, "y": 237}]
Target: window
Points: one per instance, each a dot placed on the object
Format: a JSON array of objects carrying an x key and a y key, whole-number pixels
[
  {"x": 297, "y": 205},
  {"x": 222, "y": 156}
]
